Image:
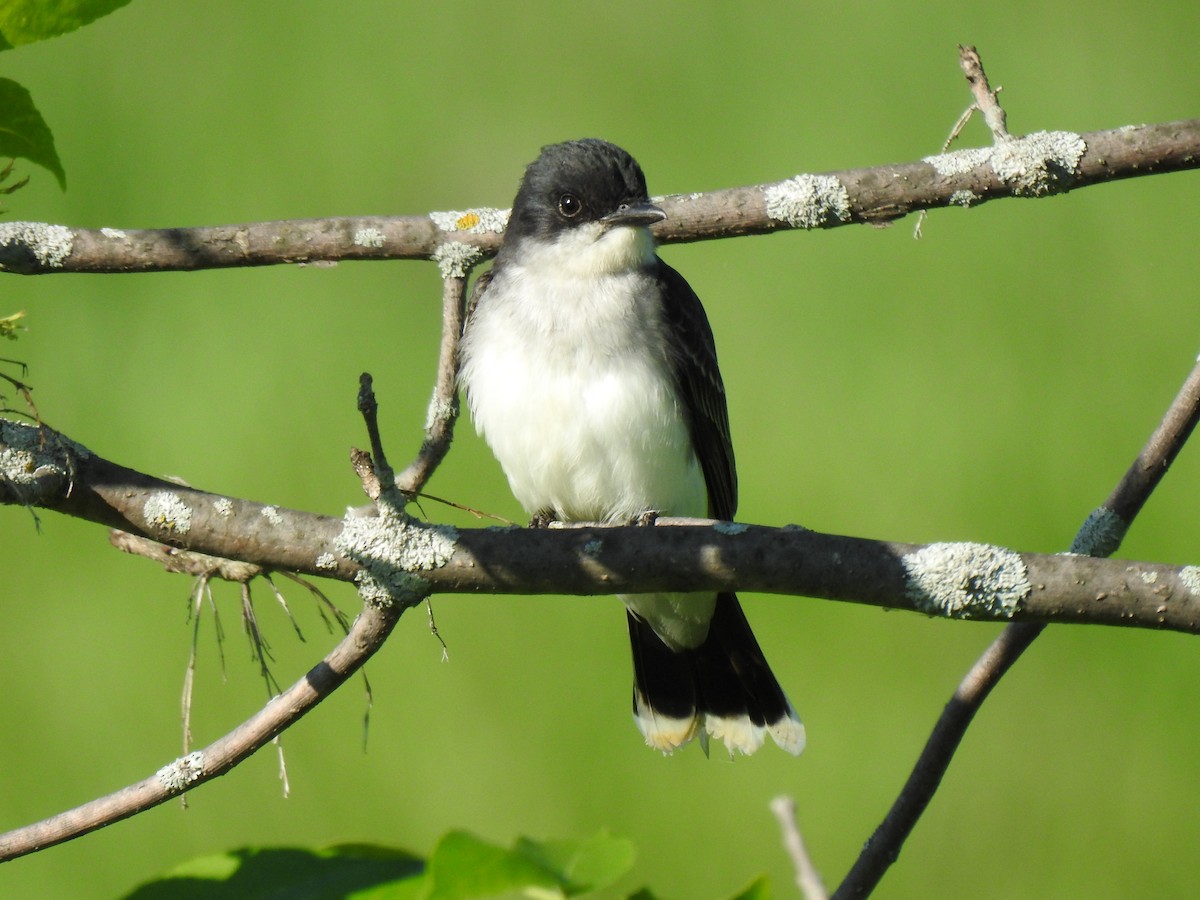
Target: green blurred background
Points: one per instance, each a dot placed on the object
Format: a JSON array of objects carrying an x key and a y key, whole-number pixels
[{"x": 990, "y": 382}]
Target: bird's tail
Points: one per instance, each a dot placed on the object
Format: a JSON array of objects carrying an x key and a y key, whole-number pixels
[{"x": 722, "y": 689}]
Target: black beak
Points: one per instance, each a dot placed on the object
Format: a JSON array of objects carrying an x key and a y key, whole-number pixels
[{"x": 634, "y": 214}]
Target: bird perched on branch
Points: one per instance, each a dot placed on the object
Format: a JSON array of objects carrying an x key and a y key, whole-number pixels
[{"x": 590, "y": 370}]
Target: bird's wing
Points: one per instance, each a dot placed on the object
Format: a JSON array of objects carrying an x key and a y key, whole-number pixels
[{"x": 692, "y": 357}]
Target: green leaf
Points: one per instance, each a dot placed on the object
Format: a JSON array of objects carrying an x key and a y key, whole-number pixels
[
  {"x": 10, "y": 325},
  {"x": 463, "y": 866},
  {"x": 759, "y": 889},
  {"x": 24, "y": 133},
  {"x": 26, "y": 21},
  {"x": 299, "y": 874},
  {"x": 585, "y": 865}
]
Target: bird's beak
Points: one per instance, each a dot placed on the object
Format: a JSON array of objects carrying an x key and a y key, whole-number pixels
[{"x": 634, "y": 214}]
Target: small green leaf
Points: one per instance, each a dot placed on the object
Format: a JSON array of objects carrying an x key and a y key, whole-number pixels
[
  {"x": 584, "y": 865},
  {"x": 463, "y": 867},
  {"x": 26, "y": 21},
  {"x": 299, "y": 874},
  {"x": 9, "y": 325},
  {"x": 759, "y": 889},
  {"x": 24, "y": 133}
]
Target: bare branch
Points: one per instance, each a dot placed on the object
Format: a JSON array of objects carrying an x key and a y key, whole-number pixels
[
  {"x": 985, "y": 97},
  {"x": 443, "y": 405},
  {"x": 808, "y": 879},
  {"x": 1033, "y": 166}
]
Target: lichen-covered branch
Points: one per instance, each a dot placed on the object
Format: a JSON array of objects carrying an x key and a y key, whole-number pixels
[
  {"x": 390, "y": 553},
  {"x": 1036, "y": 165}
]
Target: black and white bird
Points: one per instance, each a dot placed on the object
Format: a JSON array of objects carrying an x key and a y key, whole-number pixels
[{"x": 590, "y": 370}]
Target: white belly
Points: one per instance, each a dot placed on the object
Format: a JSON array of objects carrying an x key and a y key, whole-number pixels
[
  {"x": 570, "y": 390},
  {"x": 581, "y": 413}
]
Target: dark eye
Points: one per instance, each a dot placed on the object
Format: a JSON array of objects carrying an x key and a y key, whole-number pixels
[{"x": 570, "y": 205}]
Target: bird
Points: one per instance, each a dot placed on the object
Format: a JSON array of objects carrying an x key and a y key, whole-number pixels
[{"x": 590, "y": 370}]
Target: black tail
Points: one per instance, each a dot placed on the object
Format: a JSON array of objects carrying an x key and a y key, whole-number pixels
[{"x": 722, "y": 688}]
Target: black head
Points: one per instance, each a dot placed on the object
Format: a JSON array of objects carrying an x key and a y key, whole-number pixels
[{"x": 577, "y": 182}]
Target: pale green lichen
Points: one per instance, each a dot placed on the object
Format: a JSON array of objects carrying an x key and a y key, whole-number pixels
[
  {"x": 165, "y": 511},
  {"x": 392, "y": 550},
  {"x": 49, "y": 244},
  {"x": 959, "y": 162},
  {"x": 455, "y": 259},
  {"x": 186, "y": 770},
  {"x": 1100, "y": 534},
  {"x": 808, "y": 201},
  {"x": 730, "y": 528},
  {"x": 368, "y": 237},
  {"x": 966, "y": 580},
  {"x": 481, "y": 220},
  {"x": 1189, "y": 577},
  {"x": 1041, "y": 163}
]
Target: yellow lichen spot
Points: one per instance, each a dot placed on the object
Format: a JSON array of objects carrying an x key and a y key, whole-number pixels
[{"x": 466, "y": 221}]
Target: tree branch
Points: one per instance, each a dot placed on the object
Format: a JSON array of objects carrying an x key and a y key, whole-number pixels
[
  {"x": 366, "y": 636},
  {"x": 1100, "y": 536},
  {"x": 1033, "y": 166},
  {"x": 955, "y": 580}
]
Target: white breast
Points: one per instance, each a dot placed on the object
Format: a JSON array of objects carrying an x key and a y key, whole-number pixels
[{"x": 566, "y": 380}]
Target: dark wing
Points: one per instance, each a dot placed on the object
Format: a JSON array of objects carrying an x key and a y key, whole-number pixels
[{"x": 692, "y": 357}]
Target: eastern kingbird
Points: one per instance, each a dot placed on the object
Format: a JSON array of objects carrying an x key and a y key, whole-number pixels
[{"x": 589, "y": 368}]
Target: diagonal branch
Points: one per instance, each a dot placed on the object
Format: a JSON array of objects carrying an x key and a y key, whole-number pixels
[
  {"x": 1100, "y": 535},
  {"x": 366, "y": 636}
]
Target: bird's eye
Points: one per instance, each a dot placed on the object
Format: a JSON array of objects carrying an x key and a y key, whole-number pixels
[{"x": 570, "y": 205}]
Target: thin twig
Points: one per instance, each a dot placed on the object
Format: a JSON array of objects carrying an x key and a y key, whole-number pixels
[
  {"x": 985, "y": 97},
  {"x": 443, "y": 405},
  {"x": 808, "y": 879}
]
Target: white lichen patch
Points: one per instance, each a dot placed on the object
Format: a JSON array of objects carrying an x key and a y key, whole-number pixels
[
  {"x": 326, "y": 561},
  {"x": 483, "y": 220},
  {"x": 1100, "y": 534},
  {"x": 959, "y": 162},
  {"x": 1039, "y": 163},
  {"x": 223, "y": 507},
  {"x": 454, "y": 258},
  {"x": 113, "y": 234},
  {"x": 730, "y": 528},
  {"x": 391, "y": 551},
  {"x": 271, "y": 514},
  {"x": 439, "y": 410},
  {"x": 1189, "y": 577},
  {"x": 165, "y": 511},
  {"x": 963, "y": 198},
  {"x": 184, "y": 771},
  {"x": 50, "y": 244},
  {"x": 17, "y": 465},
  {"x": 368, "y": 237},
  {"x": 808, "y": 201},
  {"x": 966, "y": 581}
]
